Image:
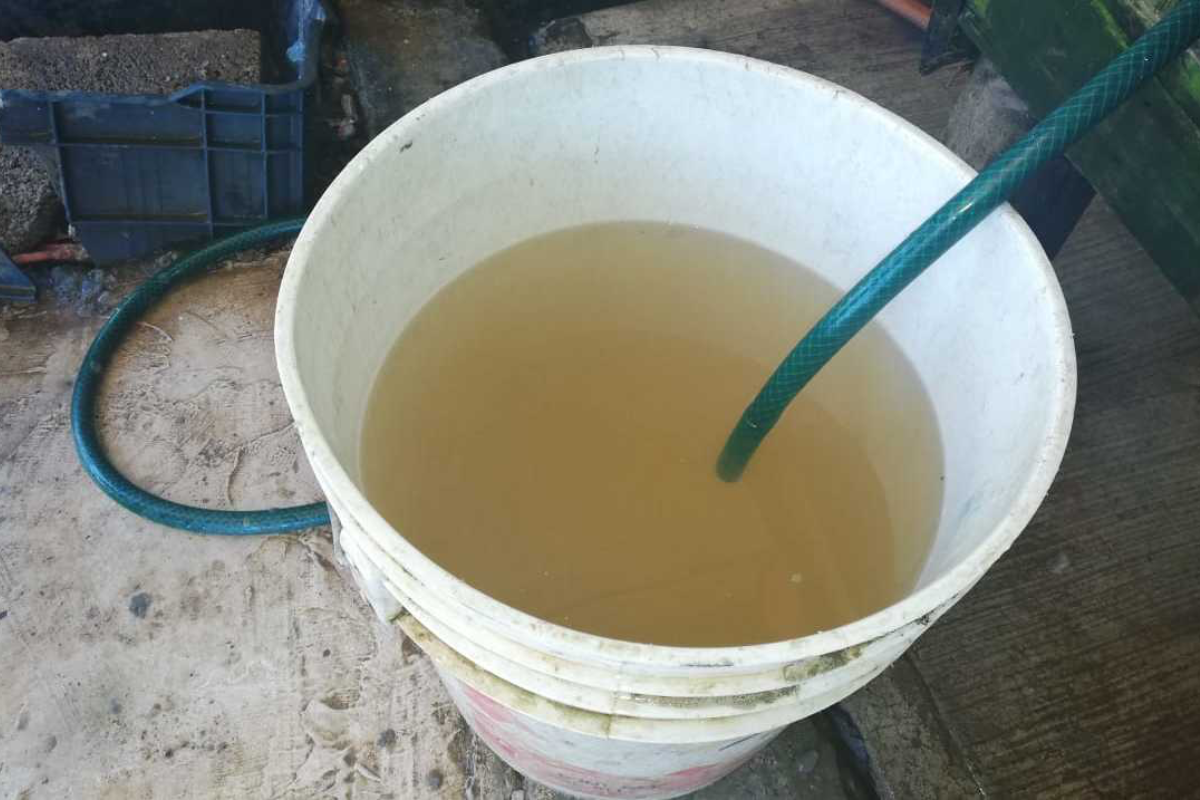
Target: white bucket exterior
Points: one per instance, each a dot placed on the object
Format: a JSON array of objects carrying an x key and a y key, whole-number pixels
[{"x": 730, "y": 144}]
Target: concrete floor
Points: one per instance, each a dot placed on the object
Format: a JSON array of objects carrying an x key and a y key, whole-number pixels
[{"x": 141, "y": 662}]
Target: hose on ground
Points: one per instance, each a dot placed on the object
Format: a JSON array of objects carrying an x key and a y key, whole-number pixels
[{"x": 87, "y": 385}]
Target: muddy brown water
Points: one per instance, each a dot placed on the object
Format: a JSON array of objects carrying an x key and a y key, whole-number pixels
[{"x": 546, "y": 429}]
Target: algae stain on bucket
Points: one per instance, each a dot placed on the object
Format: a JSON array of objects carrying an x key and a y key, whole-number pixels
[{"x": 545, "y": 429}]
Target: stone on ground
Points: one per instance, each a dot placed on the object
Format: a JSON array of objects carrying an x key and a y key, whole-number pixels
[
  {"x": 403, "y": 52},
  {"x": 513, "y": 20},
  {"x": 29, "y": 208}
]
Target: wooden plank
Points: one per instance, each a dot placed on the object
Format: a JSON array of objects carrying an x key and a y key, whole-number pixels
[
  {"x": 1145, "y": 159},
  {"x": 1183, "y": 80}
]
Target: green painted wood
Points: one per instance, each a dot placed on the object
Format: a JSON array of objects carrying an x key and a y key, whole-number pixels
[{"x": 1145, "y": 159}]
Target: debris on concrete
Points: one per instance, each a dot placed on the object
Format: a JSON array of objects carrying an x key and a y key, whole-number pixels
[
  {"x": 29, "y": 208},
  {"x": 568, "y": 33},
  {"x": 56, "y": 252},
  {"x": 87, "y": 292},
  {"x": 130, "y": 63},
  {"x": 403, "y": 52},
  {"x": 334, "y": 119},
  {"x": 139, "y": 604},
  {"x": 346, "y": 126},
  {"x": 514, "y": 20}
]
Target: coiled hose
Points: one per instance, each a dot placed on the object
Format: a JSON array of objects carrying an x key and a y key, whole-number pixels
[
  {"x": 83, "y": 406},
  {"x": 1063, "y": 126}
]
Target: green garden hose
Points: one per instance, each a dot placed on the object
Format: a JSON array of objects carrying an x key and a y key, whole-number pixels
[
  {"x": 1082, "y": 110},
  {"x": 83, "y": 406}
]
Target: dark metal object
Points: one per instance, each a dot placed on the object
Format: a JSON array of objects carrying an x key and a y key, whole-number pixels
[
  {"x": 944, "y": 43},
  {"x": 854, "y": 759},
  {"x": 1052, "y": 203}
]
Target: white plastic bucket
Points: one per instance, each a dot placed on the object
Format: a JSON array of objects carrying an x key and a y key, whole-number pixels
[{"x": 731, "y": 144}]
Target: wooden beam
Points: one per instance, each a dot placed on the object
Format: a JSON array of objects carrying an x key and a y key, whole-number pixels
[{"x": 1145, "y": 159}]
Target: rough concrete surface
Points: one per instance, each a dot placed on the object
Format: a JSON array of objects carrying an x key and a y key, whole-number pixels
[
  {"x": 911, "y": 751},
  {"x": 29, "y": 207},
  {"x": 141, "y": 662},
  {"x": 403, "y": 52},
  {"x": 130, "y": 64}
]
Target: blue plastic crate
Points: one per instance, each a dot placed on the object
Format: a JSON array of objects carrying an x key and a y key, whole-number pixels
[{"x": 141, "y": 172}]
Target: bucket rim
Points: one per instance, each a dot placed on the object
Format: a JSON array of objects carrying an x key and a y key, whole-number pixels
[{"x": 919, "y": 606}]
